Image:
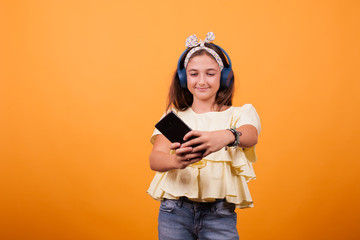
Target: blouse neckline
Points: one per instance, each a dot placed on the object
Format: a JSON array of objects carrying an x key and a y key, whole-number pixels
[{"x": 214, "y": 112}]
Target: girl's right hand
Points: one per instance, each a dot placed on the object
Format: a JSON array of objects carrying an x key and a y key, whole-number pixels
[
  {"x": 183, "y": 156},
  {"x": 161, "y": 160}
]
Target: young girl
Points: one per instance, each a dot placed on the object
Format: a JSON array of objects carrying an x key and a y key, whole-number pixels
[{"x": 202, "y": 181}]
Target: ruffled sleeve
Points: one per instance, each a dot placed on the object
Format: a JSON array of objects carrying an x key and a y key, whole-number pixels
[
  {"x": 154, "y": 135},
  {"x": 156, "y": 131},
  {"x": 247, "y": 115}
]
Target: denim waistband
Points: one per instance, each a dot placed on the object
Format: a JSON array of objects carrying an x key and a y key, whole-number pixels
[{"x": 186, "y": 202}]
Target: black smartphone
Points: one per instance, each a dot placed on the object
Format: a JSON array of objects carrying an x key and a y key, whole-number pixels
[{"x": 173, "y": 128}]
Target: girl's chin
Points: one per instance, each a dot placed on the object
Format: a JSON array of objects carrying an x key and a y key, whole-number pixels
[{"x": 204, "y": 97}]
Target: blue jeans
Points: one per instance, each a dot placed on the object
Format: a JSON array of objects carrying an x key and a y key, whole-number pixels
[{"x": 186, "y": 220}]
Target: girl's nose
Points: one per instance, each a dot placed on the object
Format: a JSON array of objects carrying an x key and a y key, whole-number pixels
[{"x": 201, "y": 78}]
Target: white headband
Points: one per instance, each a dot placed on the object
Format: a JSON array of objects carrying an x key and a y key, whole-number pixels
[{"x": 192, "y": 41}]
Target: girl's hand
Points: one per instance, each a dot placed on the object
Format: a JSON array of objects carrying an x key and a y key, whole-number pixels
[
  {"x": 184, "y": 156},
  {"x": 207, "y": 142}
]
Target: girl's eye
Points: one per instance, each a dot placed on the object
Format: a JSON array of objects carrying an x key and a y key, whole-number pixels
[
  {"x": 211, "y": 74},
  {"x": 193, "y": 74}
]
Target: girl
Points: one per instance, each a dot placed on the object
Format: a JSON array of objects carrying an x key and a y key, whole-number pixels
[{"x": 202, "y": 181}]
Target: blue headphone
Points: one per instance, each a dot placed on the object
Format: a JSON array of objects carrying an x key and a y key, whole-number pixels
[{"x": 226, "y": 78}]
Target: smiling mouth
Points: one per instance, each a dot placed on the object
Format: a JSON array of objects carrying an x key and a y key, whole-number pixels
[{"x": 202, "y": 88}]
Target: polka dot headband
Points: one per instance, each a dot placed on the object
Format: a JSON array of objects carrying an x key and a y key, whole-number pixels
[{"x": 192, "y": 41}]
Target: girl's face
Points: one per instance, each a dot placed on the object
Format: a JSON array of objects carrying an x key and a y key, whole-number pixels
[{"x": 203, "y": 78}]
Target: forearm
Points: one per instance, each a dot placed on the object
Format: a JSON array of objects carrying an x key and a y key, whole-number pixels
[
  {"x": 249, "y": 136},
  {"x": 161, "y": 161},
  {"x": 212, "y": 141}
]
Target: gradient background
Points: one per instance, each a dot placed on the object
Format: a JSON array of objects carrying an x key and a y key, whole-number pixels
[{"x": 82, "y": 84}]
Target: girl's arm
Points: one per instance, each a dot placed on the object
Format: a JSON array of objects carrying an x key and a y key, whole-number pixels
[
  {"x": 161, "y": 160},
  {"x": 213, "y": 141}
]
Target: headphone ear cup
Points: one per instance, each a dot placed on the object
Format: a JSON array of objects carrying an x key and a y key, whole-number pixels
[
  {"x": 182, "y": 77},
  {"x": 227, "y": 76}
]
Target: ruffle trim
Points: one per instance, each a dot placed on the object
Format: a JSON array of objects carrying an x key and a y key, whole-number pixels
[{"x": 208, "y": 180}]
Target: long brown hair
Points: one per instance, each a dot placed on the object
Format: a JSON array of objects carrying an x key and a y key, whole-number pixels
[{"x": 182, "y": 99}]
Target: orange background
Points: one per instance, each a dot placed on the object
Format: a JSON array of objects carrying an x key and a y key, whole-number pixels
[{"x": 82, "y": 84}]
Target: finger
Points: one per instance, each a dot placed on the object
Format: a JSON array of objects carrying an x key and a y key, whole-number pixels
[
  {"x": 194, "y": 160},
  {"x": 192, "y": 155},
  {"x": 192, "y": 142},
  {"x": 199, "y": 148},
  {"x": 183, "y": 150},
  {"x": 175, "y": 145},
  {"x": 206, "y": 153},
  {"x": 193, "y": 133}
]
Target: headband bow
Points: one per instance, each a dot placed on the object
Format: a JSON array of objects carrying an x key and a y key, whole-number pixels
[{"x": 192, "y": 41}]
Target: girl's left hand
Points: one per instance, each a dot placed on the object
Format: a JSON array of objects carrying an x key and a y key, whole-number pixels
[{"x": 208, "y": 142}]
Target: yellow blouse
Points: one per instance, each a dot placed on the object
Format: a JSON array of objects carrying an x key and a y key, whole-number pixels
[{"x": 222, "y": 174}]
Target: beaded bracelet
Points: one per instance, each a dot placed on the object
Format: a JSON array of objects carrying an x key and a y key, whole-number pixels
[{"x": 237, "y": 135}]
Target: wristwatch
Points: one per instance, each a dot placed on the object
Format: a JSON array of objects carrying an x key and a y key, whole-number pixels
[{"x": 237, "y": 135}]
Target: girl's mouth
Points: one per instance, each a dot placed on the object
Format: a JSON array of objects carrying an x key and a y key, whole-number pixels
[{"x": 202, "y": 89}]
